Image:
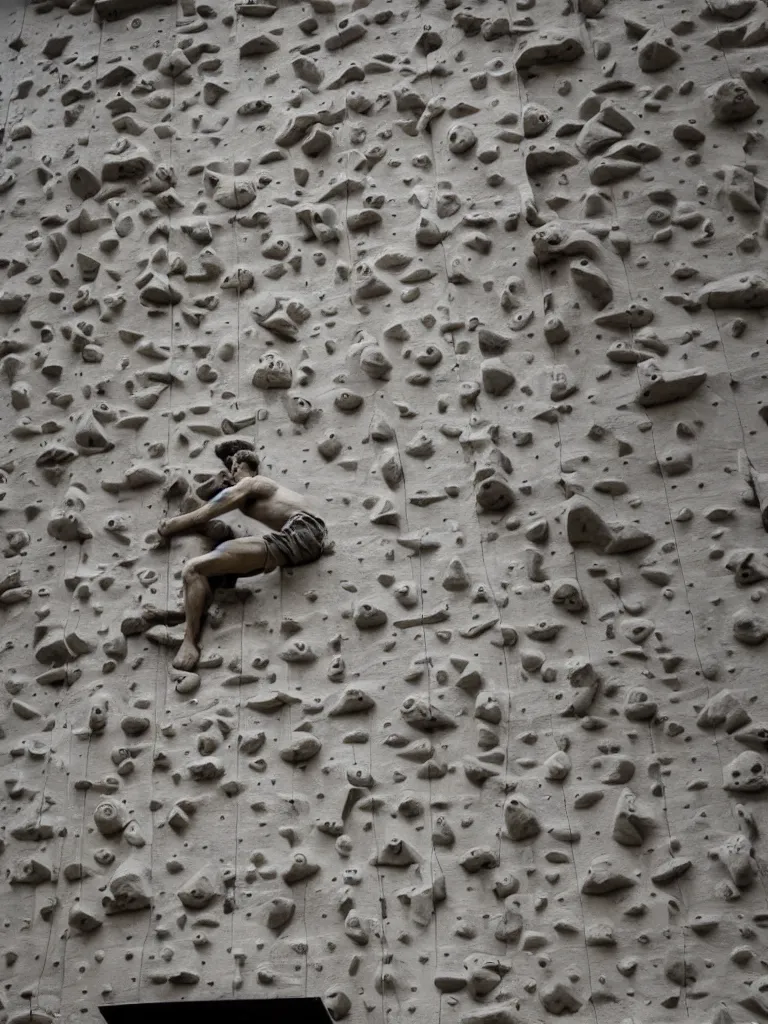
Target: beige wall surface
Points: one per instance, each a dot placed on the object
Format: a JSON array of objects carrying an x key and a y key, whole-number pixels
[{"x": 485, "y": 283}]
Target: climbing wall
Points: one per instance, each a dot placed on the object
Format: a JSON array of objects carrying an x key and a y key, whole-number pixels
[{"x": 486, "y": 281}]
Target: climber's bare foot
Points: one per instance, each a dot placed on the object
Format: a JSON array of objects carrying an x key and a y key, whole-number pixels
[{"x": 187, "y": 657}]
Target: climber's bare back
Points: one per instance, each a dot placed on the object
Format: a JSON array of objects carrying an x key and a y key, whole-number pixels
[
  {"x": 257, "y": 497},
  {"x": 265, "y": 501}
]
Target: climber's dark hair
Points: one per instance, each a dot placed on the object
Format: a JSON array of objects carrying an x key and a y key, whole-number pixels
[{"x": 237, "y": 451}]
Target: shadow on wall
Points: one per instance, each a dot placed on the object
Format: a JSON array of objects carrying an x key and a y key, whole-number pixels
[{"x": 310, "y": 1010}]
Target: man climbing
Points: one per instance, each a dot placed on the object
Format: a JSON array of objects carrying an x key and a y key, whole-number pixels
[{"x": 298, "y": 538}]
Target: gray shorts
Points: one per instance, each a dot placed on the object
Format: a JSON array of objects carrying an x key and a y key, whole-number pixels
[{"x": 301, "y": 541}]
